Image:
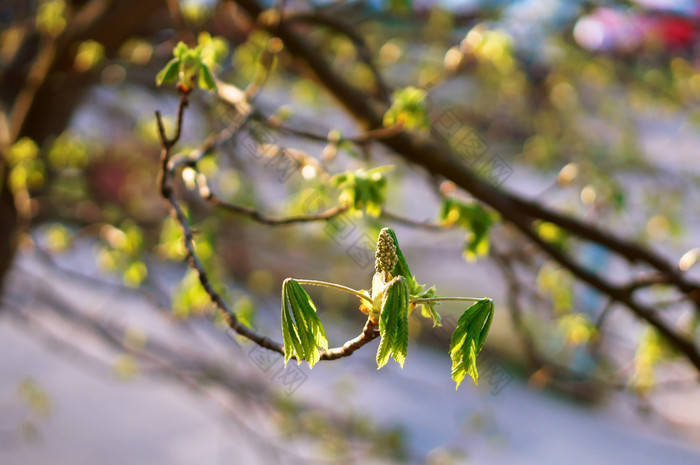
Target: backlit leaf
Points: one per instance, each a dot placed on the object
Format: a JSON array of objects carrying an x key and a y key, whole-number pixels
[
  {"x": 303, "y": 334},
  {"x": 468, "y": 339},
  {"x": 169, "y": 73},
  {"x": 393, "y": 323}
]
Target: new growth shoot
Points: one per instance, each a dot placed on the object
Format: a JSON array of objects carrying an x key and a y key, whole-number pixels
[{"x": 394, "y": 294}]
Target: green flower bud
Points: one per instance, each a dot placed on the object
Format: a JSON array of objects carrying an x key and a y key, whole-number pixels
[{"x": 386, "y": 257}]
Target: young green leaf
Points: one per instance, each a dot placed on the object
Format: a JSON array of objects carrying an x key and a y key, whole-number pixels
[
  {"x": 290, "y": 335},
  {"x": 409, "y": 109},
  {"x": 169, "y": 73},
  {"x": 180, "y": 50},
  {"x": 206, "y": 80},
  {"x": 474, "y": 218},
  {"x": 428, "y": 308},
  {"x": 468, "y": 339},
  {"x": 393, "y": 323},
  {"x": 363, "y": 189},
  {"x": 304, "y": 334}
]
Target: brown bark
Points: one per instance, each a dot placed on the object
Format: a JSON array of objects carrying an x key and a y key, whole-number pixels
[{"x": 39, "y": 89}]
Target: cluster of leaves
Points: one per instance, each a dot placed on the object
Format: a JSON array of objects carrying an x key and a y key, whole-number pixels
[
  {"x": 394, "y": 294},
  {"x": 363, "y": 189},
  {"x": 653, "y": 349},
  {"x": 475, "y": 219},
  {"x": 415, "y": 290},
  {"x": 190, "y": 63},
  {"x": 27, "y": 170},
  {"x": 51, "y": 17},
  {"x": 409, "y": 109},
  {"x": 122, "y": 252}
]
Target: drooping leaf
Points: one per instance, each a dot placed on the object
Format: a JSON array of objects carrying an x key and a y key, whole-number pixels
[
  {"x": 401, "y": 339},
  {"x": 169, "y": 73},
  {"x": 468, "y": 339},
  {"x": 206, "y": 80},
  {"x": 292, "y": 344},
  {"x": 393, "y": 323},
  {"x": 303, "y": 334}
]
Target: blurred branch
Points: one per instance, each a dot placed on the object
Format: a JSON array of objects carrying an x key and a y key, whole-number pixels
[
  {"x": 167, "y": 174},
  {"x": 363, "y": 50},
  {"x": 439, "y": 160},
  {"x": 38, "y": 106},
  {"x": 185, "y": 368}
]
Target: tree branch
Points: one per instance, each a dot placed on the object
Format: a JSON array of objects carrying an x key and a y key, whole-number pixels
[
  {"x": 168, "y": 168},
  {"x": 439, "y": 160}
]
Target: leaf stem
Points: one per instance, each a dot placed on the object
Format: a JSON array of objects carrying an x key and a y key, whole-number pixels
[
  {"x": 340, "y": 287},
  {"x": 455, "y": 299}
]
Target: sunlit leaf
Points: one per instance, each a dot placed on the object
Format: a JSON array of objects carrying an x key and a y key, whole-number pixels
[
  {"x": 408, "y": 109},
  {"x": 169, "y": 73},
  {"x": 475, "y": 219},
  {"x": 303, "y": 334},
  {"x": 363, "y": 189},
  {"x": 393, "y": 323},
  {"x": 468, "y": 339},
  {"x": 206, "y": 80}
]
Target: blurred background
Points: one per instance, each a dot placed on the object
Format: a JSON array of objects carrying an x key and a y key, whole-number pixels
[{"x": 112, "y": 352}]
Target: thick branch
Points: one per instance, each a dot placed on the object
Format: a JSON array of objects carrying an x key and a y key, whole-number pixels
[{"x": 438, "y": 159}]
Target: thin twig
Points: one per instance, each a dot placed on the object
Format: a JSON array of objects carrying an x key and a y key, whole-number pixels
[
  {"x": 340, "y": 287},
  {"x": 207, "y": 194},
  {"x": 168, "y": 168}
]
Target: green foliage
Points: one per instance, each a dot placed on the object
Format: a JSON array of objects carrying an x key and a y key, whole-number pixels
[
  {"x": 363, "y": 189},
  {"x": 35, "y": 396},
  {"x": 473, "y": 217},
  {"x": 27, "y": 170},
  {"x": 190, "y": 297},
  {"x": 247, "y": 56},
  {"x": 189, "y": 63},
  {"x": 122, "y": 252},
  {"x": 400, "y": 6},
  {"x": 576, "y": 328},
  {"x": 394, "y": 294},
  {"x": 23, "y": 150},
  {"x": 552, "y": 234},
  {"x": 415, "y": 290},
  {"x": 303, "y": 334},
  {"x": 51, "y": 17},
  {"x": 409, "y": 110},
  {"x": 556, "y": 282},
  {"x": 170, "y": 244},
  {"x": 393, "y": 323},
  {"x": 90, "y": 53},
  {"x": 652, "y": 349},
  {"x": 68, "y": 151},
  {"x": 214, "y": 49},
  {"x": 427, "y": 309},
  {"x": 402, "y": 269},
  {"x": 58, "y": 238},
  {"x": 468, "y": 339}
]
